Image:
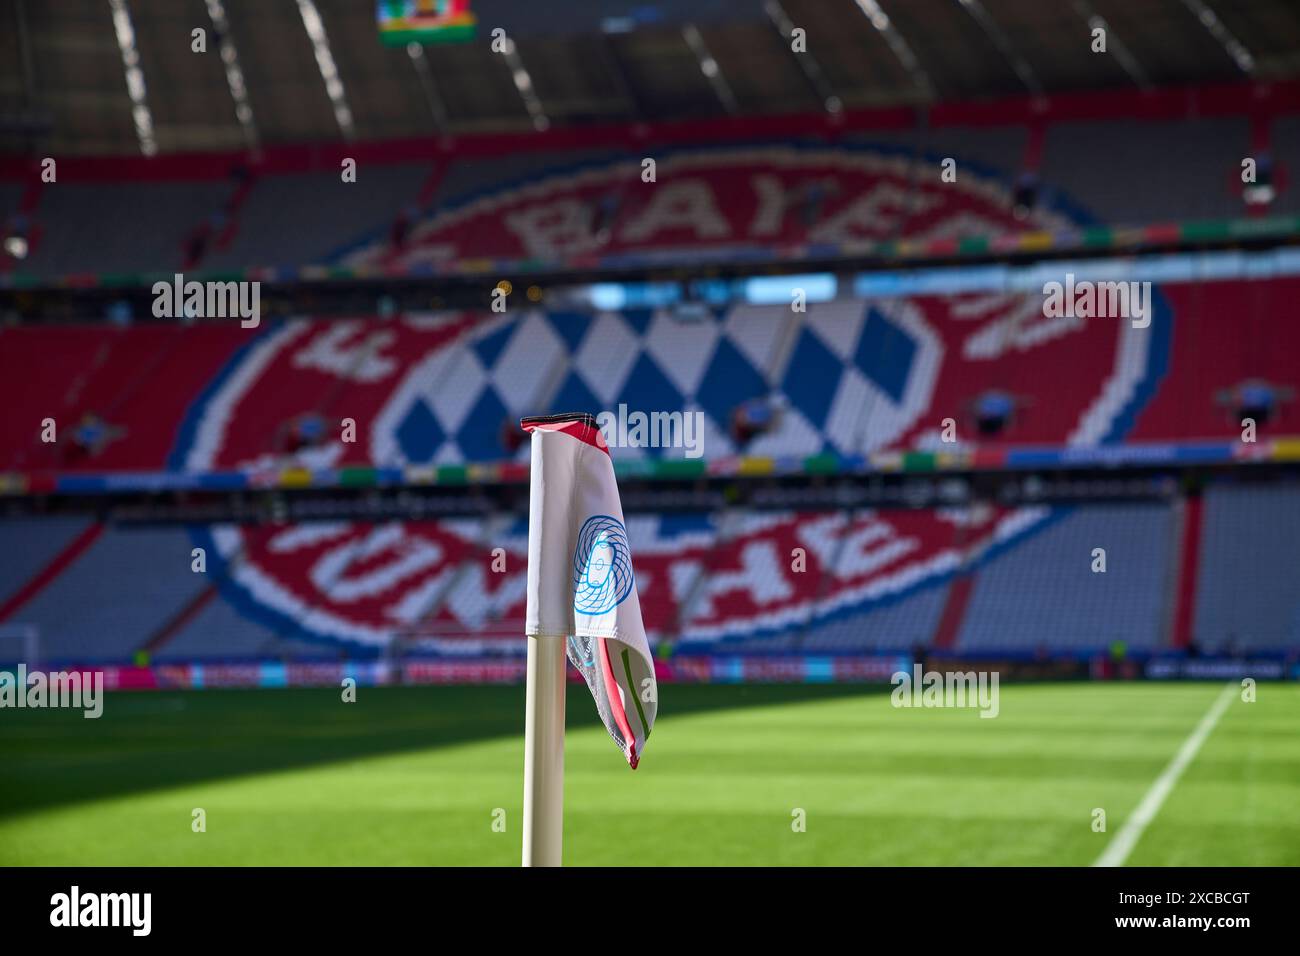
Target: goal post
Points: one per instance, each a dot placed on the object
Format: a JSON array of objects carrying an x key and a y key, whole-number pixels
[{"x": 23, "y": 640}]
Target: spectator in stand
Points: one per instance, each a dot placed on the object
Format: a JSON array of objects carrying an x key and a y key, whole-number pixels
[{"x": 753, "y": 418}]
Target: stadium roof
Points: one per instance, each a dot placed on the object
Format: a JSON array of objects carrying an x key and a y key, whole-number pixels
[{"x": 119, "y": 76}]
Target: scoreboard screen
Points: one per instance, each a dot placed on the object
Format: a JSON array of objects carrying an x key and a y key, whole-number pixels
[
  {"x": 425, "y": 21},
  {"x": 441, "y": 21}
]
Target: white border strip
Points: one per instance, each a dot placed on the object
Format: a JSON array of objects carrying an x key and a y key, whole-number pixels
[{"x": 1122, "y": 845}]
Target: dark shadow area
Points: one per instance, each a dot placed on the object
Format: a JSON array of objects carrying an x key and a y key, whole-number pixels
[{"x": 147, "y": 741}]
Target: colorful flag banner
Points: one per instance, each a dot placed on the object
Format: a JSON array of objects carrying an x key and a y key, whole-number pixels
[{"x": 425, "y": 21}]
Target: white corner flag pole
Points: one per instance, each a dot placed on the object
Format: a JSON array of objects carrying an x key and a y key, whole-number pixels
[
  {"x": 544, "y": 753},
  {"x": 544, "y": 704},
  {"x": 587, "y": 605}
]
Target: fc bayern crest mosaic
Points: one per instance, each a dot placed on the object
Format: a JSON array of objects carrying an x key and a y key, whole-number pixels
[{"x": 850, "y": 376}]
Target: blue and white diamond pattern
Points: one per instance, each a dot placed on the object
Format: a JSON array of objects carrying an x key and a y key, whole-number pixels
[
  {"x": 682, "y": 350},
  {"x": 606, "y": 357},
  {"x": 418, "y": 423},
  {"x": 850, "y": 376}
]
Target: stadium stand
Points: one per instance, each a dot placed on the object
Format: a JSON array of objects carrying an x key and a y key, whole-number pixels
[
  {"x": 30, "y": 545},
  {"x": 84, "y": 613},
  {"x": 138, "y": 382},
  {"x": 219, "y": 631},
  {"x": 124, "y": 227},
  {"x": 1091, "y": 170},
  {"x": 1047, "y": 592},
  {"x": 852, "y": 376},
  {"x": 1284, "y": 153},
  {"x": 975, "y": 581},
  {"x": 287, "y": 219},
  {"x": 1107, "y": 166},
  {"x": 11, "y": 194},
  {"x": 903, "y": 625},
  {"x": 1226, "y": 336},
  {"x": 1248, "y": 598}
]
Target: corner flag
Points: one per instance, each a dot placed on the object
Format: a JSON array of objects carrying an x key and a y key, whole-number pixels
[
  {"x": 582, "y": 602},
  {"x": 581, "y": 588}
]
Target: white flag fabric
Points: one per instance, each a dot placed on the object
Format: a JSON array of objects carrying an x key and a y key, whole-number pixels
[{"x": 580, "y": 583}]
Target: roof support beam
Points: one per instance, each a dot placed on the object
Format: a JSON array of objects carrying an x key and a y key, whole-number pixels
[
  {"x": 999, "y": 39},
  {"x": 329, "y": 71},
  {"x": 899, "y": 46},
  {"x": 234, "y": 75},
  {"x": 1123, "y": 56},
  {"x": 420, "y": 63},
  {"x": 812, "y": 70},
  {"x": 635, "y": 107},
  {"x": 524, "y": 84},
  {"x": 709, "y": 67},
  {"x": 25, "y": 52},
  {"x": 1234, "y": 47},
  {"x": 135, "y": 86}
]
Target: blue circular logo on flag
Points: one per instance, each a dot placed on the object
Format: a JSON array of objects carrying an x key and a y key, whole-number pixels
[{"x": 602, "y": 566}]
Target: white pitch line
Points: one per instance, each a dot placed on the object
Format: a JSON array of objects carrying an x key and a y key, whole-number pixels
[{"x": 1120, "y": 847}]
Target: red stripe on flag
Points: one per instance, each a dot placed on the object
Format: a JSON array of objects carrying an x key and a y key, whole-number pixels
[
  {"x": 615, "y": 697},
  {"x": 581, "y": 427}
]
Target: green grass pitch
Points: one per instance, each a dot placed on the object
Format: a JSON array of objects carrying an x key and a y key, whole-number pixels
[{"x": 414, "y": 775}]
